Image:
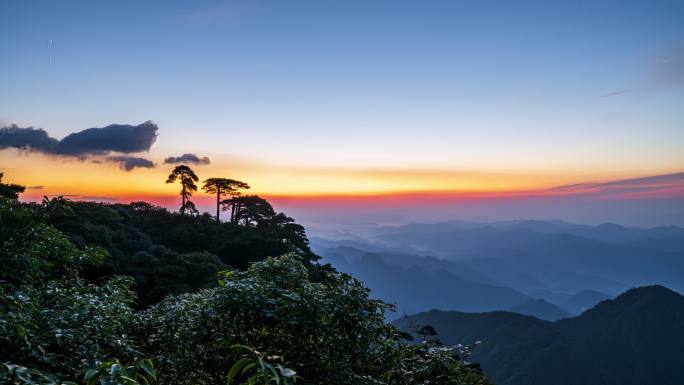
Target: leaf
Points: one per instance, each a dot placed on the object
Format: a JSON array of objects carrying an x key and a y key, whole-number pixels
[
  {"x": 276, "y": 377},
  {"x": 286, "y": 372},
  {"x": 115, "y": 369},
  {"x": 248, "y": 367},
  {"x": 90, "y": 376},
  {"x": 132, "y": 381},
  {"x": 235, "y": 369},
  {"x": 146, "y": 365}
]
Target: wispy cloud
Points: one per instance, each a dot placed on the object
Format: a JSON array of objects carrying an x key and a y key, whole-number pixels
[
  {"x": 661, "y": 185},
  {"x": 95, "y": 198},
  {"x": 666, "y": 71},
  {"x": 615, "y": 93}
]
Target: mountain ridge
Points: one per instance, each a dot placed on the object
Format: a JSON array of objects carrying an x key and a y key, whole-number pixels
[{"x": 633, "y": 339}]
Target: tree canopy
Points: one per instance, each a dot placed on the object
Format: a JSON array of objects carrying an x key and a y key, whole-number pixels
[{"x": 223, "y": 186}]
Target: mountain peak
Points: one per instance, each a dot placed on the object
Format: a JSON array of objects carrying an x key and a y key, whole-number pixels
[
  {"x": 649, "y": 293},
  {"x": 635, "y": 304}
]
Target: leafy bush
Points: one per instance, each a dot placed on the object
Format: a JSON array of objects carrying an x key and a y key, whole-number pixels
[
  {"x": 325, "y": 331},
  {"x": 51, "y": 320},
  {"x": 56, "y": 327},
  {"x": 32, "y": 252}
]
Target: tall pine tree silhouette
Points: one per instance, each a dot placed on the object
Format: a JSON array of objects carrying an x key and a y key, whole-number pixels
[{"x": 187, "y": 179}]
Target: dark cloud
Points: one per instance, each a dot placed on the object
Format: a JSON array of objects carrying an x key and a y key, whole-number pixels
[
  {"x": 31, "y": 139},
  {"x": 124, "y": 138},
  {"x": 35, "y": 187},
  {"x": 128, "y": 163},
  {"x": 187, "y": 158}
]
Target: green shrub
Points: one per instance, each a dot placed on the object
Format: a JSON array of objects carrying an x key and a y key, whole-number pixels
[{"x": 56, "y": 327}]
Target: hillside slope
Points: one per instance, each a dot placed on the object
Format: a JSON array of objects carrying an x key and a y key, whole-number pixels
[{"x": 636, "y": 338}]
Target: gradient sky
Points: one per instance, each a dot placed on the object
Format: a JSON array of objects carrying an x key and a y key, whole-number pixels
[{"x": 306, "y": 98}]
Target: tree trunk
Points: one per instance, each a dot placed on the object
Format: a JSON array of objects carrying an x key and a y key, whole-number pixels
[
  {"x": 218, "y": 204},
  {"x": 182, "y": 210}
]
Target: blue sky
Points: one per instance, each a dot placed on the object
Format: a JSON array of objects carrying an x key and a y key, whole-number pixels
[{"x": 423, "y": 85}]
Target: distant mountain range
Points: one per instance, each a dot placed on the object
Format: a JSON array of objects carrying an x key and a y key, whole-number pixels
[
  {"x": 634, "y": 339},
  {"x": 419, "y": 283},
  {"x": 550, "y": 260}
]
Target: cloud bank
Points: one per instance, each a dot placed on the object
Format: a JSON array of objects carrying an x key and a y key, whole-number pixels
[
  {"x": 115, "y": 138},
  {"x": 124, "y": 138},
  {"x": 187, "y": 159}
]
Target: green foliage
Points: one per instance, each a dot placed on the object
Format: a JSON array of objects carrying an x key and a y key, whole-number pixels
[
  {"x": 32, "y": 251},
  {"x": 11, "y": 374},
  {"x": 51, "y": 320},
  {"x": 427, "y": 363},
  {"x": 258, "y": 369},
  {"x": 67, "y": 323},
  {"x": 58, "y": 327},
  {"x": 140, "y": 371},
  {"x": 327, "y": 329},
  {"x": 331, "y": 333},
  {"x": 168, "y": 253}
]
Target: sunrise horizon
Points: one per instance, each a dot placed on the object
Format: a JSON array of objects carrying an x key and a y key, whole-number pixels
[{"x": 416, "y": 105}]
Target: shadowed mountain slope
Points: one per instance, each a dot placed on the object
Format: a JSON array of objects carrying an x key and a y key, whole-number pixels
[
  {"x": 416, "y": 287},
  {"x": 636, "y": 338}
]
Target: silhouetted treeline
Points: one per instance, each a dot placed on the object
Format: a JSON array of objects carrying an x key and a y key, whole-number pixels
[{"x": 169, "y": 253}]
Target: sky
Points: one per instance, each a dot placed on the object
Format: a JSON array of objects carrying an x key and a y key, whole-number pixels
[{"x": 324, "y": 104}]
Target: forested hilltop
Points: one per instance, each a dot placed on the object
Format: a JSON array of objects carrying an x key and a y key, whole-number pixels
[{"x": 94, "y": 293}]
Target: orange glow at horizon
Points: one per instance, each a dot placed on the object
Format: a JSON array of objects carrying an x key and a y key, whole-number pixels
[{"x": 46, "y": 175}]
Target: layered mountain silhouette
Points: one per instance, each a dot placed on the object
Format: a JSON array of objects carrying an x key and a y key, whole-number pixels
[
  {"x": 541, "y": 309},
  {"x": 636, "y": 338},
  {"x": 417, "y": 284},
  {"x": 534, "y": 256},
  {"x": 580, "y": 302}
]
